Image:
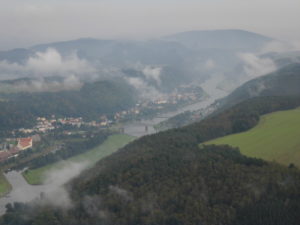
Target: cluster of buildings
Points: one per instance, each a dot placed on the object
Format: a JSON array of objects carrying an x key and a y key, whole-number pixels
[
  {"x": 11, "y": 147},
  {"x": 185, "y": 94},
  {"x": 44, "y": 125},
  {"x": 176, "y": 98},
  {"x": 78, "y": 122},
  {"x": 123, "y": 114}
]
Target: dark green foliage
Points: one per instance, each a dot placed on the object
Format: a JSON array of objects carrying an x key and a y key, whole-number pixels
[
  {"x": 239, "y": 118},
  {"x": 93, "y": 99},
  {"x": 176, "y": 121},
  {"x": 281, "y": 210},
  {"x": 11, "y": 117},
  {"x": 42, "y": 214},
  {"x": 167, "y": 179}
]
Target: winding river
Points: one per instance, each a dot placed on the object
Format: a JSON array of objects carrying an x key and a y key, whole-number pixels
[{"x": 23, "y": 192}]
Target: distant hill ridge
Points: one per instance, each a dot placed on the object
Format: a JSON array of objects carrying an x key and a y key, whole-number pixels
[
  {"x": 220, "y": 39},
  {"x": 177, "y": 59},
  {"x": 217, "y": 39}
]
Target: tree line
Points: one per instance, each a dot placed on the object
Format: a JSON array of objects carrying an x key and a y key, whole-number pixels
[{"x": 167, "y": 179}]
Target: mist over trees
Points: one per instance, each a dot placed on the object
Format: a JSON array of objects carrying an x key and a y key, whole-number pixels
[
  {"x": 166, "y": 178},
  {"x": 160, "y": 65}
]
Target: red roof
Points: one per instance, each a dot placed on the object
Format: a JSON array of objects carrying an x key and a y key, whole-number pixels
[{"x": 25, "y": 142}]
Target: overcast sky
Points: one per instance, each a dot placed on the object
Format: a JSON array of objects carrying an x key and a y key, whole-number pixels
[{"x": 27, "y": 22}]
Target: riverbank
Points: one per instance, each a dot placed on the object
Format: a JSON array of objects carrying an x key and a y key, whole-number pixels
[
  {"x": 112, "y": 144},
  {"x": 5, "y": 186},
  {"x": 134, "y": 128}
]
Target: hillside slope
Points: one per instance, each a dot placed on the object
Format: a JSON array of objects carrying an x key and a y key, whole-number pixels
[
  {"x": 101, "y": 97},
  {"x": 284, "y": 82},
  {"x": 178, "y": 59},
  {"x": 276, "y": 137},
  {"x": 166, "y": 179}
]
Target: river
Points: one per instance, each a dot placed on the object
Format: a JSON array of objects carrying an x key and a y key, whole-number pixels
[
  {"x": 23, "y": 192},
  {"x": 137, "y": 128}
]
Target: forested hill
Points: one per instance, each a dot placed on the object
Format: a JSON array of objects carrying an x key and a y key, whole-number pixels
[
  {"x": 102, "y": 97},
  {"x": 220, "y": 39},
  {"x": 284, "y": 82},
  {"x": 167, "y": 179}
]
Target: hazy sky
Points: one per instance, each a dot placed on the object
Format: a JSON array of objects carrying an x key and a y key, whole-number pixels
[{"x": 28, "y": 22}]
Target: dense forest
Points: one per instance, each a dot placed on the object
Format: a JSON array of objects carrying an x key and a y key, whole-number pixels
[
  {"x": 167, "y": 179},
  {"x": 102, "y": 97}
]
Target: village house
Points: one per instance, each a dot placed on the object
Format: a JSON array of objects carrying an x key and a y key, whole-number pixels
[
  {"x": 103, "y": 123},
  {"x": 26, "y": 131},
  {"x": 24, "y": 143}
]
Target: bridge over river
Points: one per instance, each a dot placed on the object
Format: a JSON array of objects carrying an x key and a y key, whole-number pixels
[{"x": 23, "y": 192}]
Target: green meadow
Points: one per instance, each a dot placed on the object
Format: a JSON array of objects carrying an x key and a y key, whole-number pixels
[
  {"x": 275, "y": 138},
  {"x": 112, "y": 144}
]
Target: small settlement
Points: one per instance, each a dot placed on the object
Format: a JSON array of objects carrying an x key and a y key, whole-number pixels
[
  {"x": 13, "y": 146},
  {"x": 27, "y": 137}
]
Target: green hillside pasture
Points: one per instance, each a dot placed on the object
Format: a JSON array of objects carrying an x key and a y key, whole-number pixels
[
  {"x": 275, "y": 138},
  {"x": 112, "y": 144}
]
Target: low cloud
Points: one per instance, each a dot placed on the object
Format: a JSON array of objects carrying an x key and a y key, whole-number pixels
[
  {"x": 145, "y": 90},
  {"x": 121, "y": 192},
  {"x": 148, "y": 80},
  {"x": 55, "y": 193},
  {"x": 71, "y": 82},
  {"x": 281, "y": 46},
  {"x": 12, "y": 70},
  {"x": 50, "y": 63},
  {"x": 209, "y": 64},
  {"x": 255, "y": 66},
  {"x": 152, "y": 73}
]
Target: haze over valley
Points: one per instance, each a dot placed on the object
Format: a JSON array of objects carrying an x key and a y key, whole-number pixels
[{"x": 155, "y": 113}]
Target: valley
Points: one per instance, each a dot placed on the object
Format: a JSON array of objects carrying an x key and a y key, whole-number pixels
[
  {"x": 195, "y": 127},
  {"x": 41, "y": 180},
  {"x": 89, "y": 158},
  {"x": 131, "y": 129}
]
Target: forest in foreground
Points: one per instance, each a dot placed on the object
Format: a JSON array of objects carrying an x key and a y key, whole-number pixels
[{"x": 167, "y": 179}]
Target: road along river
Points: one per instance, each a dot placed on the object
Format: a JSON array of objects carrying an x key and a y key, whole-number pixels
[{"x": 23, "y": 192}]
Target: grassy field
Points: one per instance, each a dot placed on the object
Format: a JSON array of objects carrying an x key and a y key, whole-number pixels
[
  {"x": 112, "y": 144},
  {"x": 5, "y": 187},
  {"x": 276, "y": 137}
]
